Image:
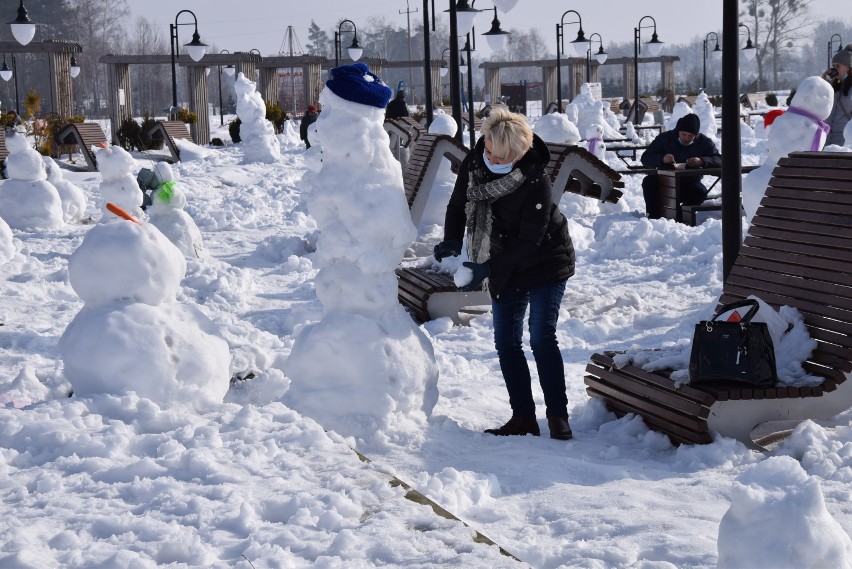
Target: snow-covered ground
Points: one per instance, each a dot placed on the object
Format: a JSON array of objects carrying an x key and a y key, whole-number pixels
[{"x": 122, "y": 481}]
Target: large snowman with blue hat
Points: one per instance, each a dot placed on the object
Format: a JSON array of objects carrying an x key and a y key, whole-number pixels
[{"x": 366, "y": 350}]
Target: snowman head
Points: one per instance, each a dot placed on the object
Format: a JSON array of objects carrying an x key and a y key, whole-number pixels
[
  {"x": 114, "y": 162},
  {"x": 54, "y": 173},
  {"x": 815, "y": 96},
  {"x": 16, "y": 141},
  {"x": 594, "y": 131},
  {"x": 164, "y": 172}
]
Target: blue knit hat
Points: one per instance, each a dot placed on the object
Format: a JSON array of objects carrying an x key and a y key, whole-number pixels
[{"x": 355, "y": 83}]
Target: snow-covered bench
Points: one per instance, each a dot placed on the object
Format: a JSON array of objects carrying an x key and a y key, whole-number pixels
[
  {"x": 168, "y": 132},
  {"x": 576, "y": 170},
  {"x": 798, "y": 252},
  {"x": 85, "y": 136}
]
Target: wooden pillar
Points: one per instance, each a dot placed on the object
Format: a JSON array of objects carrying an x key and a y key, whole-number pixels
[
  {"x": 267, "y": 84},
  {"x": 312, "y": 81},
  {"x": 492, "y": 83},
  {"x": 627, "y": 79},
  {"x": 119, "y": 101},
  {"x": 436, "y": 84},
  {"x": 61, "y": 89},
  {"x": 196, "y": 83},
  {"x": 668, "y": 78},
  {"x": 576, "y": 75},
  {"x": 246, "y": 67},
  {"x": 548, "y": 86}
]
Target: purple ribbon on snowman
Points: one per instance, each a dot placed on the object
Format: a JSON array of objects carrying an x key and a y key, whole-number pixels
[
  {"x": 593, "y": 142},
  {"x": 822, "y": 126}
]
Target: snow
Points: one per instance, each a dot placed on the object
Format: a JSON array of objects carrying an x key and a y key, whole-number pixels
[{"x": 157, "y": 459}]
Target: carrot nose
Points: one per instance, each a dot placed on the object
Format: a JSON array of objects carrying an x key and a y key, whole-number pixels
[{"x": 121, "y": 213}]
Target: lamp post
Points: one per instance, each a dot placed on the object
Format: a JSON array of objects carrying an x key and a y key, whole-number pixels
[
  {"x": 471, "y": 127},
  {"x": 732, "y": 221},
  {"x": 195, "y": 48},
  {"x": 354, "y": 50},
  {"x": 7, "y": 74},
  {"x": 23, "y": 28},
  {"x": 831, "y": 44},
  {"x": 600, "y": 56},
  {"x": 748, "y": 51},
  {"x": 221, "y": 112},
  {"x": 444, "y": 66},
  {"x": 461, "y": 22},
  {"x": 581, "y": 45},
  {"x": 654, "y": 46},
  {"x": 496, "y": 36},
  {"x": 716, "y": 53}
]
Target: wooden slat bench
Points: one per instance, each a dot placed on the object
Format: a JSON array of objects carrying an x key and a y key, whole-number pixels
[
  {"x": 669, "y": 190},
  {"x": 168, "y": 132},
  {"x": 798, "y": 252},
  {"x": 85, "y": 136},
  {"x": 576, "y": 170},
  {"x": 4, "y": 152}
]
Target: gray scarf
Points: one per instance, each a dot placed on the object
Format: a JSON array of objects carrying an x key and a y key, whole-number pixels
[{"x": 478, "y": 210}]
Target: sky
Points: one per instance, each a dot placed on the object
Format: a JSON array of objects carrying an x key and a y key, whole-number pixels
[
  {"x": 262, "y": 24},
  {"x": 221, "y": 392}
]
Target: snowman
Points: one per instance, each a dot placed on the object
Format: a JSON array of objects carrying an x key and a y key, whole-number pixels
[
  {"x": 589, "y": 111},
  {"x": 365, "y": 351},
  {"x": 118, "y": 185},
  {"x": 132, "y": 334},
  {"x": 8, "y": 245},
  {"x": 259, "y": 142},
  {"x": 166, "y": 213},
  {"x": 596, "y": 144},
  {"x": 73, "y": 199},
  {"x": 706, "y": 114},
  {"x": 557, "y": 127},
  {"x": 680, "y": 110},
  {"x": 801, "y": 127},
  {"x": 27, "y": 199}
]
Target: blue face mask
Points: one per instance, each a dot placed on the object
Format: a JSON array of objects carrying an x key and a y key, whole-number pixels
[{"x": 497, "y": 168}]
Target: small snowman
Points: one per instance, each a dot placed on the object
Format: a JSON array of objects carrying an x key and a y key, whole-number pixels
[
  {"x": 166, "y": 213},
  {"x": 132, "y": 334},
  {"x": 680, "y": 110},
  {"x": 27, "y": 199},
  {"x": 706, "y": 114},
  {"x": 118, "y": 184},
  {"x": 596, "y": 144},
  {"x": 73, "y": 199},
  {"x": 801, "y": 127},
  {"x": 259, "y": 143},
  {"x": 590, "y": 111}
]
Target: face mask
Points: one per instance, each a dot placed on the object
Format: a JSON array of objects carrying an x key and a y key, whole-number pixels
[
  {"x": 682, "y": 143},
  {"x": 497, "y": 168}
]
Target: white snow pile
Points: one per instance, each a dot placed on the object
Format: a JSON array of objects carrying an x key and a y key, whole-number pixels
[
  {"x": 556, "y": 127},
  {"x": 258, "y": 140}
]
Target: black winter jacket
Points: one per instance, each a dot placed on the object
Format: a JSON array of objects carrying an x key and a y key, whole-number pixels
[
  {"x": 668, "y": 143},
  {"x": 530, "y": 243},
  {"x": 307, "y": 120}
]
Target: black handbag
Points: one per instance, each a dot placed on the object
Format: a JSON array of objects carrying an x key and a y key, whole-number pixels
[{"x": 733, "y": 351}]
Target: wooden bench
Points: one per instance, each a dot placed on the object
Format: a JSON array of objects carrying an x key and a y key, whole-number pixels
[
  {"x": 84, "y": 136},
  {"x": 669, "y": 187},
  {"x": 798, "y": 252},
  {"x": 753, "y": 100},
  {"x": 574, "y": 169},
  {"x": 4, "y": 152},
  {"x": 168, "y": 132}
]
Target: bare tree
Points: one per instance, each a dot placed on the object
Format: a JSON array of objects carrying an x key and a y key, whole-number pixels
[
  {"x": 149, "y": 81},
  {"x": 99, "y": 25},
  {"x": 776, "y": 26}
]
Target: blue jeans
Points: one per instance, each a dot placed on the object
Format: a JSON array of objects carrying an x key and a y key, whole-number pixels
[{"x": 508, "y": 311}]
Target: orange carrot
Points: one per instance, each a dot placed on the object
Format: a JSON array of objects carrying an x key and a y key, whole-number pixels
[{"x": 121, "y": 213}]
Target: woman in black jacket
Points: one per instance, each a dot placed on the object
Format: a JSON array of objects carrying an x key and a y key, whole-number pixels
[{"x": 518, "y": 239}]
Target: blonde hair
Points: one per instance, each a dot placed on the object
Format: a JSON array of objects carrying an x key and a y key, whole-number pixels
[{"x": 509, "y": 133}]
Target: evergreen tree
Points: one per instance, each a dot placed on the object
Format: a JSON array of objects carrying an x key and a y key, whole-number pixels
[{"x": 318, "y": 41}]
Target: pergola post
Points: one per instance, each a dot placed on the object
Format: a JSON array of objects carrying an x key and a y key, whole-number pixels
[
  {"x": 196, "y": 83},
  {"x": 492, "y": 83},
  {"x": 119, "y": 100},
  {"x": 61, "y": 94},
  {"x": 576, "y": 75},
  {"x": 267, "y": 84},
  {"x": 548, "y": 85},
  {"x": 627, "y": 79}
]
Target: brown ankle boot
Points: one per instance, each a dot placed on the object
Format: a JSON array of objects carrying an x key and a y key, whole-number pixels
[
  {"x": 559, "y": 428},
  {"x": 517, "y": 426}
]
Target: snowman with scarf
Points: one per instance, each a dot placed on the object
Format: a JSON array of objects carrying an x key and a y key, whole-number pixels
[{"x": 166, "y": 213}]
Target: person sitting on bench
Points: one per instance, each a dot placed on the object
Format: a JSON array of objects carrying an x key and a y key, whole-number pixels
[{"x": 683, "y": 147}]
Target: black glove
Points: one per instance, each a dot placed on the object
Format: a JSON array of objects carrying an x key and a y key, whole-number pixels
[
  {"x": 450, "y": 248},
  {"x": 480, "y": 273}
]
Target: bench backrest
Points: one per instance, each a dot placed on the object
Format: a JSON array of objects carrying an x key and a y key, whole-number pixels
[
  {"x": 168, "y": 132},
  {"x": 422, "y": 167},
  {"x": 85, "y": 136},
  {"x": 798, "y": 253},
  {"x": 593, "y": 176}
]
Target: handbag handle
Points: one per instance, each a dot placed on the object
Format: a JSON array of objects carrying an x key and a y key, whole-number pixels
[{"x": 747, "y": 302}]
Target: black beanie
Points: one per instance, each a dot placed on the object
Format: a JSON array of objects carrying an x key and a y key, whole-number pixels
[{"x": 688, "y": 123}]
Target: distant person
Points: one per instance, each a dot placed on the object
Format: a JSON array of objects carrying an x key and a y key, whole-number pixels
[
  {"x": 841, "y": 81},
  {"x": 397, "y": 108},
  {"x": 683, "y": 147},
  {"x": 310, "y": 117}
]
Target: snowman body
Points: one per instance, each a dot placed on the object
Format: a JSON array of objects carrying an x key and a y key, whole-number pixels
[
  {"x": 118, "y": 183},
  {"x": 132, "y": 334},
  {"x": 27, "y": 199},
  {"x": 167, "y": 214},
  {"x": 72, "y": 198},
  {"x": 597, "y": 146},
  {"x": 259, "y": 142}
]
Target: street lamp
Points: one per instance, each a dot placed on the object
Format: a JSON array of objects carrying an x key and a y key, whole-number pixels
[
  {"x": 749, "y": 51},
  {"x": 581, "y": 45},
  {"x": 831, "y": 44},
  {"x": 496, "y": 37},
  {"x": 221, "y": 112},
  {"x": 7, "y": 74},
  {"x": 465, "y": 14},
  {"x": 23, "y": 28},
  {"x": 74, "y": 70},
  {"x": 462, "y": 64},
  {"x": 654, "y": 46},
  {"x": 600, "y": 56},
  {"x": 444, "y": 67},
  {"x": 716, "y": 54},
  {"x": 354, "y": 50},
  {"x": 470, "y": 122},
  {"x": 195, "y": 48}
]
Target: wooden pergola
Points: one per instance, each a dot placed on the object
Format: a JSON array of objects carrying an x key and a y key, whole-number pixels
[{"x": 59, "y": 62}]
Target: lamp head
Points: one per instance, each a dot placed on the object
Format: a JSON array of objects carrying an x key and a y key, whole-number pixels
[
  {"x": 601, "y": 55},
  {"x": 496, "y": 36},
  {"x": 230, "y": 69},
  {"x": 465, "y": 15},
  {"x": 5, "y": 72},
  {"x": 749, "y": 51},
  {"x": 196, "y": 49},
  {"x": 23, "y": 28},
  {"x": 74, "y": 70}
]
